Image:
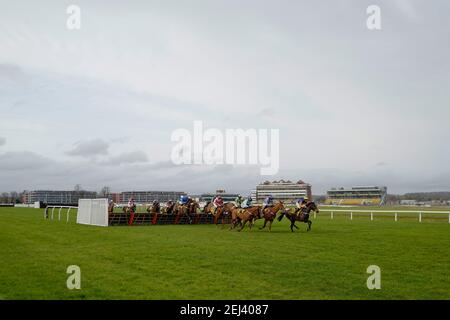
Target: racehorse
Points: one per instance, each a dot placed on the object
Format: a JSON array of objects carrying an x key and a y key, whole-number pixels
[
  {"x": 270, "y": 213},
  {"x": 303, "y": 216},
  {"x": 216, "y": 212},
  {"x": 188, "y": 209},
  {"x": 154, "y": 208},
  {"x": 169, "y": 208},
  {"x": 111, "y": 208},
  {"x": 242, "y": 216},
  {"x": 131, "y": 211},
  {"x": 192, "y": 206}
]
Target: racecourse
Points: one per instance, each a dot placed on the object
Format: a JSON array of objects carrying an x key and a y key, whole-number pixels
[{"x": 207, "y": 262}]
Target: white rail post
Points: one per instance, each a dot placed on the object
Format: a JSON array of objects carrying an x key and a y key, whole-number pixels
[
  {"x": 59, "y": 214},
  {"x": 351, "y": 215},
  {"x": 53, "y": 209},
  {"x": 46, "y": 212},
  {"x": 420, "y": 216},
  {"x": 67, "y": 218},
  {"x": 396, "y": 216},
  {"x": 371, "y": 216},
  {"x": 314, "y": 214},
  {"x": 332, "y": 213},
  {"x": 449, "y": 218}
]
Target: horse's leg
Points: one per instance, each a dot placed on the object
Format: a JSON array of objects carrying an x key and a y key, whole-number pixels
[
  {"x": 270, "y": 225},
  {"x": 264, "y": 225},
  {"x": 292, "y": 226},
  {"x": 243, "y": 225},
  {"x": 309, "y": 225}
]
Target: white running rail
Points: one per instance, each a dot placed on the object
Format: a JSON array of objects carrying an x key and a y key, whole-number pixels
[
  {"x": 420, "y": 213},
  {"x": 59, "y": 212}
]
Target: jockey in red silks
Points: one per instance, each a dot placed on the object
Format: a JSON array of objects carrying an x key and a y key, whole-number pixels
[
  {"x": 217, "y": 202},
  {"x": 132, "y": 206}
]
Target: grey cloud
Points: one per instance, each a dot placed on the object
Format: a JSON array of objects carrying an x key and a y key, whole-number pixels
[
  {"x": 22, "y": 160},
  {"x": 128, "y": 158},
  {"x": 89, "y": 148},
  {"x": 2, "y": 141}
]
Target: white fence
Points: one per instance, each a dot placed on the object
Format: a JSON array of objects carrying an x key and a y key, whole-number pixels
[
  {"x": 420, "y": 214},
  {"x": 46, "y": 216}
]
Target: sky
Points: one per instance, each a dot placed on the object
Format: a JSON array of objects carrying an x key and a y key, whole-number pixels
[{"x": 97, "y": 106}]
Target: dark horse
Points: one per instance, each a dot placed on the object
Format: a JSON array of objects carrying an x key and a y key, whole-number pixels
[
  {"x": 188, "y": 209},
  {"x": 303, "y": 216}
]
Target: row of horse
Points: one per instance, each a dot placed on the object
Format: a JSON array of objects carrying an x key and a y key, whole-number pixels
[{"x": 239, "y": 216}]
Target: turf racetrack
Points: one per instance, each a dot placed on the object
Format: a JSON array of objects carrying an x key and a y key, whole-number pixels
[{"x": 206, "y": 262}]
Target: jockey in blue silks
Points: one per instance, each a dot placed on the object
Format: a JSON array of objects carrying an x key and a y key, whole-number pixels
[
  {"x": 268, "y": 202},
  {"x": 183, "y": 199}
]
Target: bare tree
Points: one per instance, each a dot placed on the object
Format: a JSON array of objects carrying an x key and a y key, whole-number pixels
[
  {"x": 105, "y": 192},
  {"x": 77, "y": 187}
]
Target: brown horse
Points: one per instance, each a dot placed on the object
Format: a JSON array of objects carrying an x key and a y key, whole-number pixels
[
  {"x": 303, "y": 216},
  {"x": 131, "y": 211},
  {"x": 188, "y": 209},
  {"x": 193, "y": 206},
  {"x": 242, "y": 216},
  {"x": 270, "y": 213},
  {"x": 169, "y": 208},
  {"x": 111, "y": 208},
  {"x": 216, "y": 212},
  {"x": 156, "y": 208}
]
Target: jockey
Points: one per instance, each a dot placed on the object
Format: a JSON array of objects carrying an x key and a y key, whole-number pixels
[
  {"x": 238, "y": 201},
  {"x": 300, "y": 204},
  {"x": 217, "y": 202},
  {"x": 132, "y": 204},
  {"x": 268, "y": 202},
  {"x": 183, "y": 199},
  {"x": 169, "y": 206},
  {"x": 247, "y": 203}
]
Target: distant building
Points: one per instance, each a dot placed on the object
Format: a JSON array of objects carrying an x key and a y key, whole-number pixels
[
  {"x": 150, "y": 196},
  {"x": 52, "y": 197},
  {"x": 408, "y": 202},
  {"x": 364, "y": 195},
  {"x": 115, "y": 197},
  {"x": 284, "y": 190},
  {"x": 227, "y": 197}
]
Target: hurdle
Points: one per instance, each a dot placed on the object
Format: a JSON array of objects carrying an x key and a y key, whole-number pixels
[{"x": 46, "y": 216}]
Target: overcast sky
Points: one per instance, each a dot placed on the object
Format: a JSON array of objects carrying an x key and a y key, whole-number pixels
[{"x": 97, "y": 106}]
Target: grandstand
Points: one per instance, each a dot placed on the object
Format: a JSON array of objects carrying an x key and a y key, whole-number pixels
[
  {"x": 284, "y": 190},
  {"x": 227, "y": 197},
  {"x": 57, "y": 197},
  {"x": 362, "y": 195}
]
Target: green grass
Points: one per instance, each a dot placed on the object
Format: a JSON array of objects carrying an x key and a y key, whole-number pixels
[{"x": 206, "y": 262}]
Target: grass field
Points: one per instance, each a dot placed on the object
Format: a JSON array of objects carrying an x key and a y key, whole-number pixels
[{"x": 206, "y": 262}]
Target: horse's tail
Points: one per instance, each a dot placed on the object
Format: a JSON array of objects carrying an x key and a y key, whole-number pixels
[
  {"x": 281, "y": 215},
  {"x": 206, "y": 206}
]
